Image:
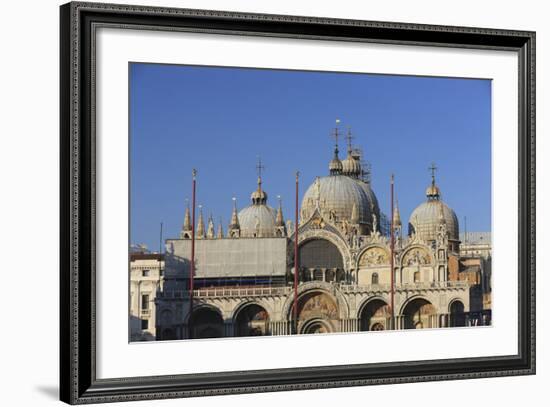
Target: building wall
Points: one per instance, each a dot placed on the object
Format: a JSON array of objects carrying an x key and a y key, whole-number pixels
[{"x": 146, "y": 279}]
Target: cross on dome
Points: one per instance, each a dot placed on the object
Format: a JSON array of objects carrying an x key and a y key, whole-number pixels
[{"x": 433, "y": 169}]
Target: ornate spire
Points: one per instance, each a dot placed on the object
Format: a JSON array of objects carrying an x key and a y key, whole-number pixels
[
  {"x": 432, "y": 192},
  {"x": 234, "y": 226},
  {"x": 187, "y": 219},
  {"x": 234, "y": 217},
  {"x": 279, "y": 220},
  {"x": 335, "y": 165},
  {"x": 219, "y": 235},
  {"x": 200, "y": 226},
  {"x": 396, "y": 216},
  {"x": 210, "y": 230}
]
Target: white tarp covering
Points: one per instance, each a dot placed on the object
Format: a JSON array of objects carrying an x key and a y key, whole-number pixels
[{"x": 219, "y": 258}]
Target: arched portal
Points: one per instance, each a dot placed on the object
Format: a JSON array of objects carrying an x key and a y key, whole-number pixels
[
  {"x": 252, "y": 320},
  {"x": 316, "y": 327},
  {"x": 418, "y": 313},
  {"x": 317, "y": 313},
  {"x": 320, "y": 260},
  {"x": 375, "y": 316},
  {"x": 457, "y": 317},
  {"x": 206, "y": 322}
]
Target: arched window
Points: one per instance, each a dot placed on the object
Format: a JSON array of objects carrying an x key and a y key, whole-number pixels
[
  {"x": 319, "y": 254},
  {"x": 374, "y": 279}
]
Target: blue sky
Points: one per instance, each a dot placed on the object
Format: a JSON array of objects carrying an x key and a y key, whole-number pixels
[{"x": 219, "y": 120}]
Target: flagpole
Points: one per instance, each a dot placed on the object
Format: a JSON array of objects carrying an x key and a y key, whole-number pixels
[
  {"x": 192, "y": 268},
  {"x": 392, "y": 249},
  {"x": 296, "y": 256},
  {"x": 160, "y": 255}
]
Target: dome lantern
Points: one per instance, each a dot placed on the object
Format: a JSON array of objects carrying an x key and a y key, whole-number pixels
[
  {"x": 259, "y": 197},
  {"x": 351, "y": 166},
  {"x": 433, "y": 192}
]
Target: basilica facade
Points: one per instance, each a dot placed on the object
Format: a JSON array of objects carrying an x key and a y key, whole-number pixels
[{"x": 244, "y": 278}]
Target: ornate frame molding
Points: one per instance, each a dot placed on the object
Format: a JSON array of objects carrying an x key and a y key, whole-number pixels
[{"x": 78, "y": 381}]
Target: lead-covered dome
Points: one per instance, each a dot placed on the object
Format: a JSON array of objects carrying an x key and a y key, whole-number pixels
[
  {"x": 257, "y": 221},
  {"x": 373, "y": 201},
  {"x": 336, "y": 196},
  {"x": 426, "y": 219}
]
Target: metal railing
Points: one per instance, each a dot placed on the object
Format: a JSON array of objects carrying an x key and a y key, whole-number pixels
[
  {"x": 240, "y": 292},
  {"x": 212, "y": 292},
  {"x": 220, "y": 292},
  {"x": 405, "y": 286}
]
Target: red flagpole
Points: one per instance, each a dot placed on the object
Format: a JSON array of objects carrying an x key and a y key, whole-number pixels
[
  {"x": 392, "y": 248},
  {"x": 192, "y": 268},
  {"x": 296, "y": 258}
]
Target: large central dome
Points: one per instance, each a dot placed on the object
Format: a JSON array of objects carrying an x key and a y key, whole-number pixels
[{"x": 340, "y": 198}]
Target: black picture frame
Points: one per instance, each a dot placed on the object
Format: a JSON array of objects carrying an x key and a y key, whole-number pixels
[{"x": 78, "y": 382}]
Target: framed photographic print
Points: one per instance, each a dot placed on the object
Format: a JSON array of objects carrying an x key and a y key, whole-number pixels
[{"x": 233, "y": 183}]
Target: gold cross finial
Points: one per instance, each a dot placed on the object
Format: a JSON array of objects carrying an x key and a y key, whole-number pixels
[
  {"x": 335, "y": 134},
  {"x": 260, "y": 167},
  {"x": 433, "y": 169}
]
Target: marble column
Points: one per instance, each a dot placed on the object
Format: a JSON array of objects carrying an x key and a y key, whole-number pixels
[{"x": 228, "y": 330}]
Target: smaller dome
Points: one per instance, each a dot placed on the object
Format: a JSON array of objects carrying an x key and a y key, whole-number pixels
[
  {"x": 427, "y": 217},
  {"x": 257, "y": 221}
]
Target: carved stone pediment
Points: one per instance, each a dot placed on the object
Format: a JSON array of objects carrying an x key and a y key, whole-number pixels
[
  {"x": 374, "y": 256},
  {"x": 416, "y": 256}
]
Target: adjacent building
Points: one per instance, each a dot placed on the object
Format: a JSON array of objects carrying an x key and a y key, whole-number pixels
[{"x": 146, "y": 279}]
